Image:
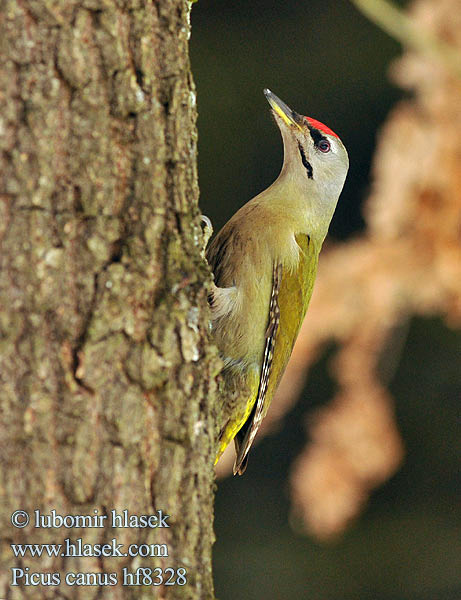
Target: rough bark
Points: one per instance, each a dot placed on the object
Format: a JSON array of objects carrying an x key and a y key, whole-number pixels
[{"x": 107, "y": 382}]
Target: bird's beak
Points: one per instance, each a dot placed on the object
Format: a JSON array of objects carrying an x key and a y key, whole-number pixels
[{"x": 289, "y": 117}]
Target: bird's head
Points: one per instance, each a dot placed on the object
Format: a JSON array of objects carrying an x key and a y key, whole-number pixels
[{"x": 314, "y": 156}]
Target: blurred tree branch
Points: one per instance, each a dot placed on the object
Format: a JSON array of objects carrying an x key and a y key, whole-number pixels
[
  {"x": 407, "y": 263},
  {"x": 404, "y": 29}
]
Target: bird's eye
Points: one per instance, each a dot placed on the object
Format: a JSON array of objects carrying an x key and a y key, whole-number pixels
[{"x": 324, "y": 146}]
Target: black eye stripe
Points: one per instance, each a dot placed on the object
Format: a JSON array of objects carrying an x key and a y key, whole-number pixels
[
  {"x": 316, "y": 136},
  {"x": 306, "y": 163}
]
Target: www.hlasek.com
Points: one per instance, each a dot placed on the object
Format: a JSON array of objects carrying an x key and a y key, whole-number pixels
[{"x": 77, "y": 548}]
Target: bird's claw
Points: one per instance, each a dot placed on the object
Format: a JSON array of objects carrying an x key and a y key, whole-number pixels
[{"x": 207, "y": 232}]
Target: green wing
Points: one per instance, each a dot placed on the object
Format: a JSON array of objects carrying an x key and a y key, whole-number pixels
[{"x": 291, "y": 292}]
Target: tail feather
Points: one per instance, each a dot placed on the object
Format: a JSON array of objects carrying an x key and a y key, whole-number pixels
[{"x": 241, "y": 460}]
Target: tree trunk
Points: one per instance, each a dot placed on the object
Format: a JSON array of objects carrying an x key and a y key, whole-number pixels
[{"x": 107, "y": 381}]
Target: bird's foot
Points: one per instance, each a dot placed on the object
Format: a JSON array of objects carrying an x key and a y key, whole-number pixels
[{"x": 207, "y": 232}]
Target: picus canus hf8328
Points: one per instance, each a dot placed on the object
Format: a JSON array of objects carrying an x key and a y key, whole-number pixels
[{"x": 264, "y": 262}]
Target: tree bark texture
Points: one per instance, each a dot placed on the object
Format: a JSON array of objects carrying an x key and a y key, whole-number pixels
[{"x": 106, "y": 378}]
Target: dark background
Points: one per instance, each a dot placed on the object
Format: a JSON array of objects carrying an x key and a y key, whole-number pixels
[{"x": 325, "y": 60}]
